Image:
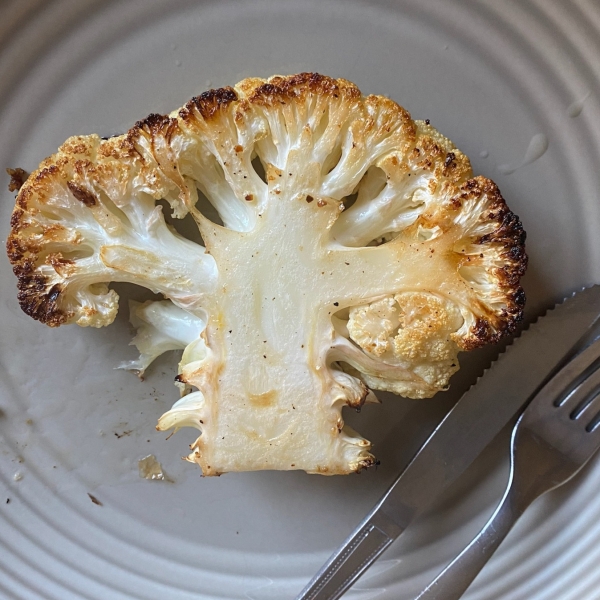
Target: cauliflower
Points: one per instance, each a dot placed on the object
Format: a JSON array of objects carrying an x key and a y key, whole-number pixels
[
  {"x": 355, "y": 250},
  {"x": 413, "y": 330},
  {"x": 161, "y": 326}
]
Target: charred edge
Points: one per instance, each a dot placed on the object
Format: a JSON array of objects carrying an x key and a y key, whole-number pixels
[
  {"x": 359, "y": 402},
  {"x": 83, "y": 195},
  {"x": 46, "y": 173},
  {"x": 210, "y": 103},
  {"x": 286, "y": 88},
  {"x": 484, "y": 332},
  {"x": 512, "y": 315},
  {"x": 18, "y": 177},
  {"x": 510, "y": 237},
  {"x": 449, "y": 161},
  {"x": 36, "y": 298},
  {"x": 20, "y": 251},
  {"x": 481, "y": 334},
  {"x": 516, "y": 265},
  {"x": 519, "y": 297},
  {"x": 13, "y": 247},
  {"x": 23, "y": 197},
  {"x": 153, "y": 122},
  {"x": 16, "y": 220},
  {"x": 491, "y": 331},
  {"x": 366, "y": 463},
  {"x": 509, "y": 234},
  {"x": 510, "y": 228}
]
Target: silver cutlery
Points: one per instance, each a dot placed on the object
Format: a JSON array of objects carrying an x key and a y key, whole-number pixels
[
  {"x": 553, "y": 439},
  {"x": 459, "y": 438}
]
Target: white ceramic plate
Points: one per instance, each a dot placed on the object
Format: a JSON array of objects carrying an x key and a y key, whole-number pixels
[{"x": 492, "y": 76}]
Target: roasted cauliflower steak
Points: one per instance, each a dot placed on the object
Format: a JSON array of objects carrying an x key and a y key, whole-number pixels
[{"x": 353, "y": 250}]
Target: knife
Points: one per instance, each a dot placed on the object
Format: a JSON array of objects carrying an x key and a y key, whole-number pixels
[{"x": 459, "y": 438}]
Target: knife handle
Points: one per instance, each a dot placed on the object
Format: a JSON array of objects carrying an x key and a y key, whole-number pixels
[{"x": 360, "y": 550}]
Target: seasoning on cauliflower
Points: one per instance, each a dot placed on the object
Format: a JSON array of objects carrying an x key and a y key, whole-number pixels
[{"x": 366, "y": 256}]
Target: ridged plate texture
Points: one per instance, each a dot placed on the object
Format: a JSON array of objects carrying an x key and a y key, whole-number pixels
[{"x": 513, "y": 83}]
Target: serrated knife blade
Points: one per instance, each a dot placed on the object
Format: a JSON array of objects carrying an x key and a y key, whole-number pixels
[{"x": 459, "y": 438}]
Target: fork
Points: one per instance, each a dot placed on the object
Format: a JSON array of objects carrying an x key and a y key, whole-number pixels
[{"x": 553, "y": 439}]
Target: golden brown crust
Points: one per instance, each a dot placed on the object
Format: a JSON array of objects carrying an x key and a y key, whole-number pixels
[
  {"x": 154, "y": 125},
  {"x": 278, "y": 89},
  {"x": 36, "y": 294},
  {"x": 509, "y": 239},
  {"x": 209, "y": 104},
  {"x": 433, "y": 152},
  {"x": 36, "y": 298}
]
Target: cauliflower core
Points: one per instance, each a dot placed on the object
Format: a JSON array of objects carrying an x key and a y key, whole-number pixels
[{"x": 365, "y": 256}]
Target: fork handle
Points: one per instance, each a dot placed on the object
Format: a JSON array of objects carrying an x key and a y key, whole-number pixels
[{"x": 454, "y": 580}]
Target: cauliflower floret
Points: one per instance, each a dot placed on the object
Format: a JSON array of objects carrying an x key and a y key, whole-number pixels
[
  {"x": 372, "y": 326},
  {"x": 367, "y": 255},
  {"x": 413, "y": 330},
  {"x": 161, "y": 326}
]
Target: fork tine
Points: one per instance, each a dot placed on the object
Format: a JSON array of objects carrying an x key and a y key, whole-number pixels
[
  {"x": 585, "y": 396},
  {"x": 562, "y": 387},
  {"x": 594, "y": 425}
]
